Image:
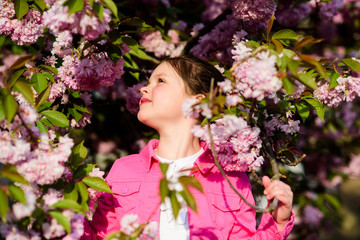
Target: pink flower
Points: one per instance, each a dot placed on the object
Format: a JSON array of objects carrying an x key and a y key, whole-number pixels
[
  {"x": 237, "y": 145},
  {"x": 288, "y": 15},
  {"x": 312, "y": 216},
  {"x": 52, "y": 229},
  {"x": 133, "y": 96},
  {"x": 257, "y": 76},
  {"x": 129, "y": 223},
  {"x": 20, "y": 210},
  {"x": 188, "y": 110},
  {"x": 7, "y": 9},
  {"x": 52, "y": 196},
  {"x": 249, "y": 10}
]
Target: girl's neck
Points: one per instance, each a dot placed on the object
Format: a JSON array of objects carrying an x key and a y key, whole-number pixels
[{"x": 175, "y": 146}]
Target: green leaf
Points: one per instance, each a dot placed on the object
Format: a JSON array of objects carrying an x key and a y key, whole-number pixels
[
  {"x": 293, "y": 67},
  {"x": 164, "y": 167},
  {"x": 313, "y": 61},
  {"x": 46, "y": 122},
  {"x": 17, "y": 193},
  {"x": 21, "y": 61},
  {"x": 288, "y": 85},
  {"x": 141, "y": 54},
  {"x": 306, "y": 41},
  {"x": 78, "y": 155},
  {"x": 99, "y": 10},
  {"x": 97, "y": 184},
  {"x": 4, "y": 205},
  {"x": 187, "y": 180},
  {"x": 307, "y": 80},
  {"x": 2, "y": 113},
  {"x": 318, "y": 106},
  {"x": 82, "y": 189},
  {"x": 70, "y": 192},
  {"x": 69, "y": 204},
  {"x": 164, "y": 190},
  {"x": 189, "y": 199},
  {"x": 10, "y": 107},
  {"x": 56, "y": 118},
  {"x": 74, "y": 5},
  {"x": 54, "y": 70},
  {"x": 175, "y": 205},
  {"x": 114, "y": 53},
  {"x": 303, "y": 111},
  {"x": 278, "y": 46},
  {"x": 332, "y": 200},
  {"x": 43, "y": 97},
  {"x": 25, "y": 89},
  {"x": 288, "y": 53},
  {"x": 42, "y": 128},
  {"x": 286, "y": 34},
  {"x": 15, "y": 76},
  {"x": 75, "y": 114},
  {"x": 83, "y": 170},
  {"x": 21, "y": 8},
  {"x": 40, "y": 82},
  {"x": 111, "y": 6},
  {"x": 81, "y": 108},
  {"x": 132, "y": 43},
  {"x": 117, "y": 235},
  {"x": 9, "y": 172},
  {"x": 333, "y": 80},
  {"x": 161, "y": 20},
  {"x": 41, "y": 4},
  {"x": 64, "y": 221},
  {"x": 351, "y": 63},
  {"x": 49, "y": 76}
]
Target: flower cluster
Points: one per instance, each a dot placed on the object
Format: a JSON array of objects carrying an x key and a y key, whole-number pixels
[
  {"x": 289, "y": 127},
  {"x": 90, "y": 73},
  {"x": 237, "y": 145},
  {"x": 41, "y": 164},
  {"x": 288, "y": 15},
  {"x": 347, "y": 90},
  {"x": 218, "y": 42},
  {"x": 133, "y": 96},
  {"x": 330, "y": 9},
  {"x": 249, "y": 10},
  {"x": 129, "y": 223},
  {"x": 57, "y": 19},
  {"x": 24, "y": 31},
  {"x": 154, "y": 42},
  {"x": 257, "y": 76}
]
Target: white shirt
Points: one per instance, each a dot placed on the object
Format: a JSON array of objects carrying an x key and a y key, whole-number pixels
[{"x": 169, "y": 228}]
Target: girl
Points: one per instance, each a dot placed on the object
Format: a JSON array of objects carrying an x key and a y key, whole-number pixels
[{"x": 135, "y": 179}]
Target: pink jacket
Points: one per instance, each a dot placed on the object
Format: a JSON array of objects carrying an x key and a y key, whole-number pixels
[{"x": 222, "y": 214}]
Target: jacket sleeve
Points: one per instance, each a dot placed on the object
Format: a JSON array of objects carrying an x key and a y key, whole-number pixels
[
  {"x": 104, "y": 219},
  {"x": 245, "y": 224}
]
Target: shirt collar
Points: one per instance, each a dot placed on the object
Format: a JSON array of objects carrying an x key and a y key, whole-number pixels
[{"x": 205, "y": 161}]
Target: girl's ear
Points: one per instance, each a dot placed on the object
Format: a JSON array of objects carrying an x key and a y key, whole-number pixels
[{"x": 198, "y": 97}]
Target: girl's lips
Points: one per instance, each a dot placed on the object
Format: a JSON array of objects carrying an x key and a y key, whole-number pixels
[{"x": 144, "y": 100}]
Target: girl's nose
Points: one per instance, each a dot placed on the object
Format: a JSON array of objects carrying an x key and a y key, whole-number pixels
[{"x": 144, "y": 90}]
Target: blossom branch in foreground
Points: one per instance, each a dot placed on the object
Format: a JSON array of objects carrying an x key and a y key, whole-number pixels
[{"x": 273, "y": 205}]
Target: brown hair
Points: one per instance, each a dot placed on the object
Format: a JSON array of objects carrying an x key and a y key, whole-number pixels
[{"x": 196, "y": 73}]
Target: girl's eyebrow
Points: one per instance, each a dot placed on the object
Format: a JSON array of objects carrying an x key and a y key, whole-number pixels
[{"x": 156, "y": 76}]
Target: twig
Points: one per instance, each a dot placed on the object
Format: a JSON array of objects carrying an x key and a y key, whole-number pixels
[
  {"x": 253, "y": 103},
  {"x": 138, "y": 70},
  {"x": 258, "y": 180},
  {"x": 271, "y": 207}
]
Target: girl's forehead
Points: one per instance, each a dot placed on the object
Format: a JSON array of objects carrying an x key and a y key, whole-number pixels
[{"x": 165, "y": 70}]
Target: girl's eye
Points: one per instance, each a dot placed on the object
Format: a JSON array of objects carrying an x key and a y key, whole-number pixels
[{"x": 161, "y": 81}]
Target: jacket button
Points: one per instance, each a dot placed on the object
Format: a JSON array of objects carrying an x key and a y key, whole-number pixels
[{"x": 124, "y": 190}]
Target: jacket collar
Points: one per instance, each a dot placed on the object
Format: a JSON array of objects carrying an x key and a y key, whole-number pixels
[{"x": 205, "y": 161}]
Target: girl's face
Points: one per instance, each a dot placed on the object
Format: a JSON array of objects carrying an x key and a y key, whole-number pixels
[{"x": 162, "y": 98}]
